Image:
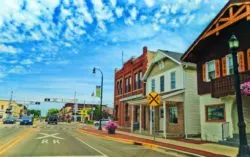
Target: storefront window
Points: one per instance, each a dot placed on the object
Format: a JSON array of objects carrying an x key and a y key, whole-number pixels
[
  {"x": 215, "y": 113},
  {"x": 173, "y": 115}
]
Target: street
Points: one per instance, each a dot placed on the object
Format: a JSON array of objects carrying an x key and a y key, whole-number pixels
[{"x": 64, "y": 140}]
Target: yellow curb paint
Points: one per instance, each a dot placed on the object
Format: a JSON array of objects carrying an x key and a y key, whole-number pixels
[
  {"x": 152, "y": 146},
  {"x": 13, "y": 142}
]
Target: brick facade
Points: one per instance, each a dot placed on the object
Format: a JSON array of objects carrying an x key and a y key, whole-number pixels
[{"x": 132, "y": 68}]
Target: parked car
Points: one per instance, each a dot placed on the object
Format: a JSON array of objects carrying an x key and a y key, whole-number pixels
[
  {"x": 26, "y": 120},
  {"x": 103, "y": 121},
  {"x": 9, "y": 120},
  {"x": 53, "y": 119}
]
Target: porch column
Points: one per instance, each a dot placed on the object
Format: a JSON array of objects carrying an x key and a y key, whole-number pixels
[
  {"x": 150, "y": 118},
  {"x": 140, "y": 118},
  {"x": 165, "y": 119},
  {"x": 132, "y": 118}
]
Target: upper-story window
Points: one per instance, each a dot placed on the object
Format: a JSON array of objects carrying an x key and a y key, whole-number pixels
[
  {"x": 162, "y": 83},
  {"x": 136, "y": 82},
  {"x": 127, "y": 86},
  {"x": 118, "y": 87},
  {"x": 130, "y": 84},
  {"x": 173, "y": 80},
  {"x": 229, "y": 61},
  {"x": 121, "y": 87},
  {"x": 153, "y": 85},
  {"x": 140, "y": 80},
  {"x": 210, "y": 70}
]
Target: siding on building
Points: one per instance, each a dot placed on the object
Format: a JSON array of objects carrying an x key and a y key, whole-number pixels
[{"x": 192, "y": 103}]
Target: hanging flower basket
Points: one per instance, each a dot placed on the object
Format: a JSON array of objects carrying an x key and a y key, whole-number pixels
[
  {"x": 245, "y": 88},
  {"x": 111, "y": 127}
]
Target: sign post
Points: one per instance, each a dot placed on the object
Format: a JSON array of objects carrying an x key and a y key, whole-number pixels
[{"x": 154, "y": 100}]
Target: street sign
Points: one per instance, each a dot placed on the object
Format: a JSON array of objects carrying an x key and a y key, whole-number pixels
[
  {"x": 154, "y": 99},
  {"x": 59, "y": 100}
]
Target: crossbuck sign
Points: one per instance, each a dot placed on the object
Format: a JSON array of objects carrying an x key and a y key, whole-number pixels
[{"x": 154, "y": 99}]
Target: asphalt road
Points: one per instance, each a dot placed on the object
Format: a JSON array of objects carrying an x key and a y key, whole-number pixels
[{"x": 64, "y": 140}]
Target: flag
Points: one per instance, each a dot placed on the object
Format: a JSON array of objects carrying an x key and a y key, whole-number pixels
[{"x": 98, "y": 91}]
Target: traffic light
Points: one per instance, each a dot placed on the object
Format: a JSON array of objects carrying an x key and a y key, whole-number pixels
[
  {"x": 47, "y": 100},
  {"x": 37, "y": 103}
]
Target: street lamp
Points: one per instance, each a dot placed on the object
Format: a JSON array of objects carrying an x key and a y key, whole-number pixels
[
  {"x": 100, "y": 122},
  {"x": 244, "y": 150}
]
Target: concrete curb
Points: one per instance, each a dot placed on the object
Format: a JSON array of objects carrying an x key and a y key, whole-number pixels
[{"x": 148, "y": 145}]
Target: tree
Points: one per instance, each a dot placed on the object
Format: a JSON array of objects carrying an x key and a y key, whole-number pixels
[
  {"x": 52, "y": 111},
  {"x": 34, "y": 112}
]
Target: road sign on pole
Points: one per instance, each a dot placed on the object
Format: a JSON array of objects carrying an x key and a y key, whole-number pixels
[{"x": 154, "y": 100}]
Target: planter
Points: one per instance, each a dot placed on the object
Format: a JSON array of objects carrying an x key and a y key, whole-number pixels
[{"x": 111, "y": 131}]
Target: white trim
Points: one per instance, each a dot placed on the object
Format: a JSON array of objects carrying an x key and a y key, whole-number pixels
[
  {"x": 131, "y": 97},
  {"x": 212, "y": 61},
  {"x": 172, "y": 94},
  {"x": 169, "y": 57}
]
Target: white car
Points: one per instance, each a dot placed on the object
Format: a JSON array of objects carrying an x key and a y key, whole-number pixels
[{"x": 103, "y": 121}]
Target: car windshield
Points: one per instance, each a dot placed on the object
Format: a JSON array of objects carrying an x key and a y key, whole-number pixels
[{"x": 26, "y": 118}]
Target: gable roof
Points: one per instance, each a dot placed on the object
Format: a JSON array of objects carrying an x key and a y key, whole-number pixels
[
  {"x": 174, "y": 56},
  {"x": 220, "y": 22}
]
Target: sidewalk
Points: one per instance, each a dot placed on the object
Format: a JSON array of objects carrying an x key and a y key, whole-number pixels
[{"x": 188, "y": 146}]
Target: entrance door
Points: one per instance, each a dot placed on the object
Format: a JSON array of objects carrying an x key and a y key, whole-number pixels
[{"x": 161, "y": 118}]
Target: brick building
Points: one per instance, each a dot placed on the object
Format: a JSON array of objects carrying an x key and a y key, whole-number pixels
[{"x": 129, "y": 85}]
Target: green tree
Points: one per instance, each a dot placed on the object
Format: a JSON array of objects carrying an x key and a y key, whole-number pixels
[
  {"x": 34, "y": 112},
  {"x": 52, "y": 111}
]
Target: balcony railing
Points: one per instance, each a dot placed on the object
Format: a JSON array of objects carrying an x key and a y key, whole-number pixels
[{"x": 224, "y": 86}]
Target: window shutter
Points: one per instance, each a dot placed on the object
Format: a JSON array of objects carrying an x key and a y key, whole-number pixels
[
  {"x": 204, "y": 78},
  {"x": 241, "y": 61},
  {"x": 217, "y": 68},
  {"x": 248, "y": 58},
  {"x": 224, "y": 66}
]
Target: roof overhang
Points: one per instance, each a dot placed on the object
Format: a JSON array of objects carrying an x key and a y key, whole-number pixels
[
  {"x": 138, "y": 96},
  {"x": 220, "y": 22}
]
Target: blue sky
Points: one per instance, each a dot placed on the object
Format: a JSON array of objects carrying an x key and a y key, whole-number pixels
[{"x": 49, "y": 47}]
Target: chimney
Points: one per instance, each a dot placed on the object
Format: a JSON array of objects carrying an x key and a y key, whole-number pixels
[{"x": 145, "y": 49}]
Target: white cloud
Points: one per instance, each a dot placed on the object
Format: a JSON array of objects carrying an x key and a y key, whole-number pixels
[
  {"x": 8, "y": 49},
  {"x": 131, "y": 1},
  {"x": 119, "y": 12},
  {"x": 143, "y": 18},
  {"x": 83, "y": 9},
  {"x": 17, "y": 70},
  {"x": 27, "y": 62},
  {"x": 2, "y": 75},
  {"x": 149, "y": 3},
  {"x": 113, "y": 3},
  {"x": 133, "y": 13}
]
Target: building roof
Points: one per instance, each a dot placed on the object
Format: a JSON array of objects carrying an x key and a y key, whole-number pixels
[
  {"x": 173, "y": 55},
  {"x": 219, "y": 18}
]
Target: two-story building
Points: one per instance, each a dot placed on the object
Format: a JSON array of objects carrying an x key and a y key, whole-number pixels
[
  {"x": 210, "y": 51},
  {"x": 129, "y": 86},
  {"x": 176, "y": 83},
  {"x": 16, "y": 109}
]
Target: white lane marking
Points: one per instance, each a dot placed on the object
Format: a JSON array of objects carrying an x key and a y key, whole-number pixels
[
  {"x": 56, "y": 142},
  {"x": 104, "y": 155},
  {"x": 45, "y": 141},
  {"x": 49, "y": 135}
]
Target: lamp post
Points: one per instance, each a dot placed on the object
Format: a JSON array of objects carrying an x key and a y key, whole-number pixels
[
  {"x": 100, "y": 122},
  {"x": 244, "y": 150}
]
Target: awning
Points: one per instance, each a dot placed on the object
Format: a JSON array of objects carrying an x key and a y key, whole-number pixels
[
  {"x": 175, "y": 96},
  {"x": 132, "y": 97},
  {"x": 138, "y": 101}
]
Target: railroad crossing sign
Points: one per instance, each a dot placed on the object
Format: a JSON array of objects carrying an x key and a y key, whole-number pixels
[{"x": 154, "y": 99}]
